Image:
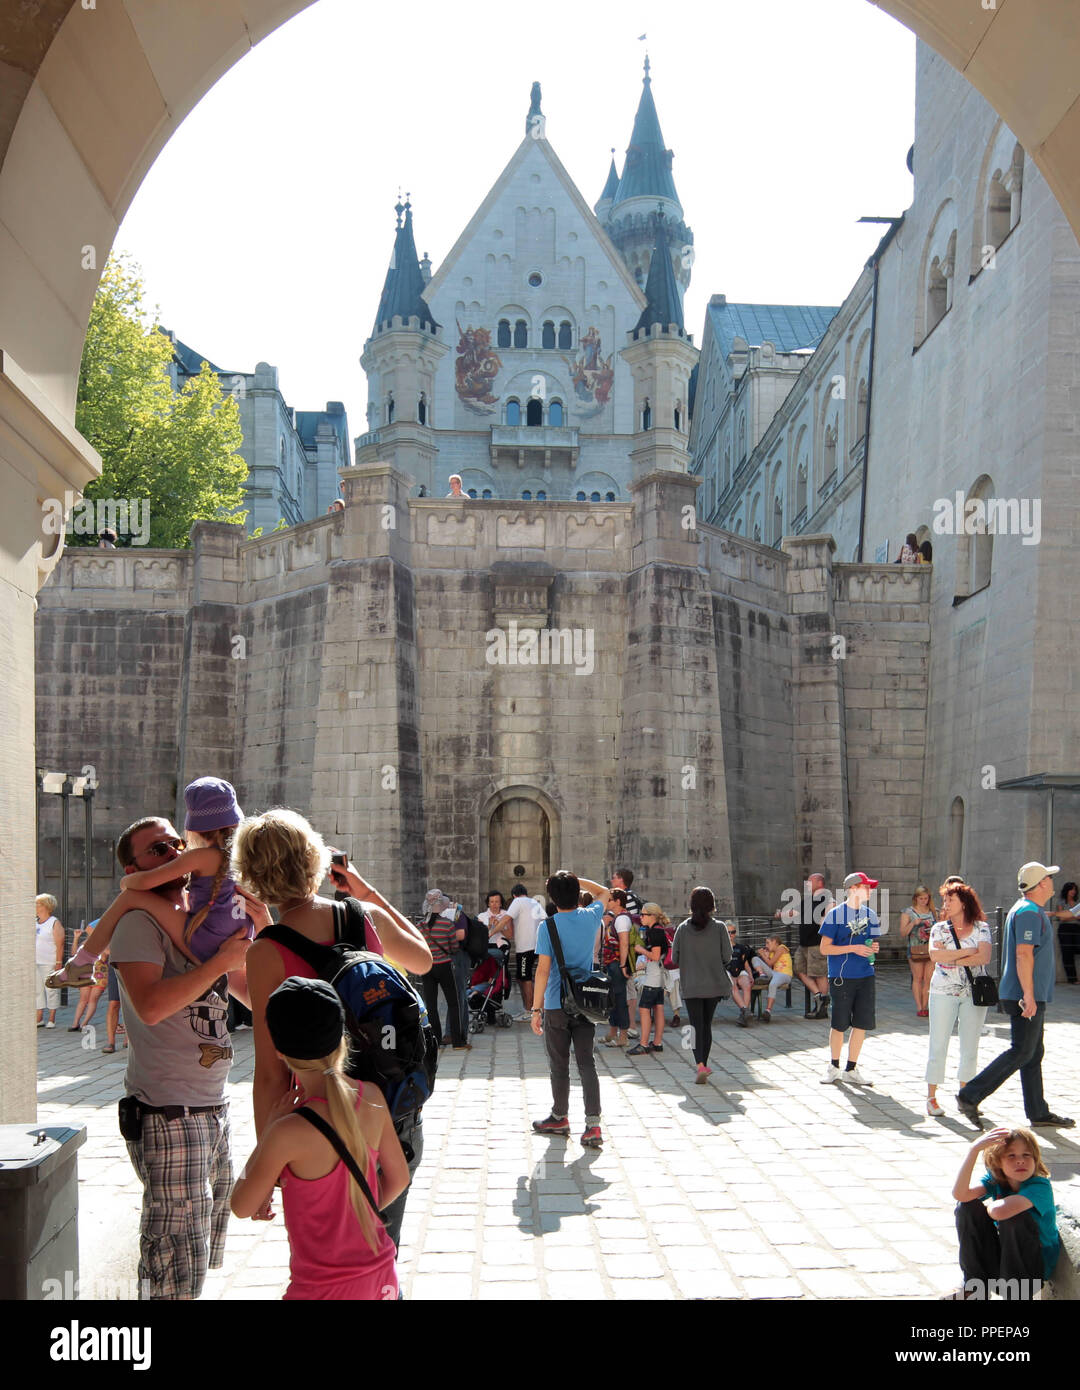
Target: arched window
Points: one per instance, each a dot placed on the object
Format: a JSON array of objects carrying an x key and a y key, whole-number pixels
[
  {"x": 594, "y": 497},
  {"x": 580, "y": 497},
  {"x": 526, "y": 496},
  {"x": 778, "y": 521},
  {"x": 485, "y": 496},
  {"x": 757, "y": 534},
  {"x": 998, "y": 211},
  {"x": 421, "y": 409},
  {"x": 534, "y": 411},
  {"x": 555, "y": 413},
  {"x": 727, "y": 468},
  {"x": 390, "y": 408},
  {"x": 609, "y": 497},
  {"x": 742, "y": 438},
  {"x": 521, "y": 334},
  {"x": 513, "y": 412},
  {"x": 956, "y": 835},
  {"x": 646, "y": 415},
  {"x": 800, "y": 490},
  {"x": 937, "y": 295},
  {"x": 830, "y": 453},
  {"x": 564, "y": 335},
  {"x": 975, "y": 551},
  {"x": 860, "y": 411},
  {"x": 678, "y": 418},
  {"x": 472, "y": 492},
  {"x": 281, "y": 456},
  {"x": 541, "y": 496},
  {"x": 547, "y": 335},
  {"x": 503, "y": 336}
]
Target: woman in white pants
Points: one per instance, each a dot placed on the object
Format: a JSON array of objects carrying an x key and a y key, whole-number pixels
[{"x": 951, "y": 1004}]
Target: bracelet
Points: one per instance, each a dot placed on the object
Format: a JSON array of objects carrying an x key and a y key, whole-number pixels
[{"x": 537, "y": 1011}]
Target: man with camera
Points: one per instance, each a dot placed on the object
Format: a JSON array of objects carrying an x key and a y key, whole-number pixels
[{"x": 174, "y": 1115}]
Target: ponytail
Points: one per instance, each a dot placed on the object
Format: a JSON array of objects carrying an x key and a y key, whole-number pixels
[
  {"x": 222, "y": 841},
  {"x": 341, "y": 1104},
  {"x": 702, "y": 906}
]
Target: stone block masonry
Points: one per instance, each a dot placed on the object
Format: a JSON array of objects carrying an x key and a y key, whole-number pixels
[{"x": 700, "y": 730}]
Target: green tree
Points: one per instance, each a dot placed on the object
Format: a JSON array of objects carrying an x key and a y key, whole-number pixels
[{"x": 176, "y": 450}]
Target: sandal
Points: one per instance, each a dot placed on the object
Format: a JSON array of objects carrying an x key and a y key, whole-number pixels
[{"x": 108, "y": 1048}]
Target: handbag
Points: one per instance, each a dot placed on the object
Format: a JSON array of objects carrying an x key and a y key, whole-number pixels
[
  {"x": 984, "y": 992},
  {"x": 588, "y": 999}
]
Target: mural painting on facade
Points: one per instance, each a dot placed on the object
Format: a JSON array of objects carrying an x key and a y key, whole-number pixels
[
  {"x": 476, "y": 368},
  {"x": 592, "y": 374}
]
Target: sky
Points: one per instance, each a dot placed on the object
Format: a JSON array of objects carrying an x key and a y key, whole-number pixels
[{"x": 265, "y": 227}]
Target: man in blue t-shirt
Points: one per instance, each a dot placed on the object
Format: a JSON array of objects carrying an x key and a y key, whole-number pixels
[
  {"x": 849, "y": 943},
  {"x": 576, "y": 927},
  {"x": 1027, "y": 986}
]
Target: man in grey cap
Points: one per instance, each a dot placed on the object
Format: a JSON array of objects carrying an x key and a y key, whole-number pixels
[{"x": 1027, "y": 986}]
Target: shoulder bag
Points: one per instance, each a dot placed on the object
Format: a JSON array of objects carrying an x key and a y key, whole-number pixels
[
  {"x": 984, "y": 992},
  {"x": 587, "y": 1000}
]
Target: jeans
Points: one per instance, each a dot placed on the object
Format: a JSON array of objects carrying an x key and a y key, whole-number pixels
[
  {"x": 700, "y": 1012},
  {"x": 946, "y": 1010},
  {"x": 1011, "y": 1250},
  {"x": 620, "y": 1014},
  {"x": 441, "y": 976},
  {"x": 411, "y": 1136},
  {"x": 559, "y": 1033},
  {"x": 1024, "y": 1054},
  {"x": 463, "y": 969}
]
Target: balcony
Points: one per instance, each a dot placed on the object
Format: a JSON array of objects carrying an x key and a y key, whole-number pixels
[{"x": 539, "y": 446}]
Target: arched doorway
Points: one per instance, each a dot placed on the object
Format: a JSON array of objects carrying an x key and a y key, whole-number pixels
[{"x": 519, "y": 838}]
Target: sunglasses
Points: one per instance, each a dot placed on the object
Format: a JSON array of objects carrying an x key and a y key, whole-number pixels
[{"x": 160, "y": 848}]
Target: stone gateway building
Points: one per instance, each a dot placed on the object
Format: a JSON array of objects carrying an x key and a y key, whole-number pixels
[{"x": 580, "y": 663}]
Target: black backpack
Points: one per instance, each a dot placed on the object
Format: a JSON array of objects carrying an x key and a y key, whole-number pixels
[
  {"x": 476, "y": 940},
  {"x": 392, "y": 1043}
]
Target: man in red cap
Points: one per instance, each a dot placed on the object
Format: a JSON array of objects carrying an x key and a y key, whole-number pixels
[{"x": 848, "y": 942}]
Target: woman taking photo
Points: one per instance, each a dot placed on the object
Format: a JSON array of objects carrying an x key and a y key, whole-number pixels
[
  {"x": 960, "y": 950},
  {"x": 701, "y": 951},
  {"x": 915, "y": 924}
]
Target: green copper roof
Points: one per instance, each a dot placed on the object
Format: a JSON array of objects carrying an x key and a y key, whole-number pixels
[
  {"x": 787, "y": 326},
  {"x": 403, "y": 290},
  {"x": 647, "y": 171},
  {"x": 612, "y": 185},
  {"x": 661, "y": 288}
]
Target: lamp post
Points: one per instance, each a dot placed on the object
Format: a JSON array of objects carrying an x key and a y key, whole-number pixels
[{"x": 66, "y": 785}]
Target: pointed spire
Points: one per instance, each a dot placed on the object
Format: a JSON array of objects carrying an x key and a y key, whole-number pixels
[
  {"x": 534, "y": 121},
  {"x": 661, "y": 289},
  {"x": 402, "y": 294},
  {"x": 612, "y": 185},
  {"x": 647, "y": 172}
]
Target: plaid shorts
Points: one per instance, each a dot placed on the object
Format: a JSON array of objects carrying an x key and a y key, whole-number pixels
[{"x": 186, "y": 1171}]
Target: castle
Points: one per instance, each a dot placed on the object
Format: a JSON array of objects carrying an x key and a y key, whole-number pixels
[{"x": 759, "y": 702}]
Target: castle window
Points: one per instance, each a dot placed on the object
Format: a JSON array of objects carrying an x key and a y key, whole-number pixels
[
  {"x": 646, "y": 416},
  {"x": 547, "y": 339},
  {"x": 421, "y": 409},
  {"x": 503, "y": 336},
  {"x": 830, "y": 452},
  {"x": 472, "y": 492},
  {"x": 521, "y": 334},
  {"x": 594, "y": 497},
  {"x": 778, "y": 521},
  {"x": 541, "y": 496},
  {"x": 800, "y": 490},
  {"x": 998, "y": 212},
  {"x": 526, "y": 496},
  {"x": 536, "y": 279},
  {"x": 937, "y": 295},
  {"x": 534, "y": 411},
  {"x": 281, "y": 455},
  {"x": 485, "y": 496},
  {"x": 609, "y": 497},
  {"x": 580, "y": 496},
  {"x": 390, "y": 408},
  {"x": 860, "y": 412},
  {"x": 678, "y": 418},
  {"x": 555, "y": 413},
  {"x": 513, "y": 412},
  {"x": 564, "y": 334}
]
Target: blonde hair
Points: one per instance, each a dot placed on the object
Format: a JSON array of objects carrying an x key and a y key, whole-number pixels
[
  {"x": 655, "y": 910},
  {"x": 996, "y": 1151},
  {"x": 49, "y": 901},
  {"x": 279, "y": 856},
  {"x": 341, "y": 1103},
  {"x": 222, "y": 841},
  {"x": 919, "y": 891}
]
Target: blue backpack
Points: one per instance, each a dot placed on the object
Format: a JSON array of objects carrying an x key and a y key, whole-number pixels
[{"x": 391, "y": 1041}]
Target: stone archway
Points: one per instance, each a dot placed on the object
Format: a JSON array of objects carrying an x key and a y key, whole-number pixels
[{"x": 519, "y": 827}]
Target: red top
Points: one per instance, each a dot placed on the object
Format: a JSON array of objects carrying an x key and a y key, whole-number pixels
[
  {"x": 329, "y": 1257},
  {"x": 294, "y": 965}
]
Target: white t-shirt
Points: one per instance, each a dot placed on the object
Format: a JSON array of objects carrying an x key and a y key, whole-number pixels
[
  {"x": 523, "y": 911},
  {"x": 44, "y": 943},
  {"x": 497, "y": 938},
  {"x": 955, "y": 982}
]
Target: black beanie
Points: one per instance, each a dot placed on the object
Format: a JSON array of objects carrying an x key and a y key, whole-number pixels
[{"x": 305, "y": 1018}]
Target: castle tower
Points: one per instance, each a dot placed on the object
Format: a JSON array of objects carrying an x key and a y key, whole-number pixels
[
  {"x": 604, "y": 203},
  {"x": 661, "y": 356},
  {"x": 646, "y": 181},
  {"x": 400, "y": 359}
]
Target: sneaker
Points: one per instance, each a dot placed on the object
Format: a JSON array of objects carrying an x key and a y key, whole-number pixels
[
  {"x": 766, "y": 1017},
  {"x": 611, "y": 1042},
  {"x": 592, "y": 1138},
  {"x": 970, "y": 1112},
  {"x": 638, "y": 1051},
  {"x": 933, "y": 1108},
  {"x": 655, "y": 1047},
  {"x": 631, "y": 1035},
  {"x": 821, "y": 1009},
  {"x": 702, "y": 1074},
  {"x": 552, "y": 1126},
  {"x": 832, "y": 1075},
  {"x": 50, "y": 1025},
  {"x": 1052, "y": 1121},
  {"x": 856, "y": 1077}
]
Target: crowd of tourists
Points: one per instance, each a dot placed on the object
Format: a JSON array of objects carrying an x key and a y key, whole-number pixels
[{"x": 344, "y": 994}]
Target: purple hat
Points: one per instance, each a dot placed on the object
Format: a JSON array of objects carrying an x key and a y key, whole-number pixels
[{"x": 211, "y": 805}]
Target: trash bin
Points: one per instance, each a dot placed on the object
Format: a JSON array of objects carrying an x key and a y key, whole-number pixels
[{"x": 39, "y": 1206}]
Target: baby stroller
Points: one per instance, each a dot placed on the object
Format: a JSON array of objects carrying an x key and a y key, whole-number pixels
[{"x": 489, "y": 986}]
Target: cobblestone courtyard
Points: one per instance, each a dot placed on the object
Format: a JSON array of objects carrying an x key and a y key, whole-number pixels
[{"x": 763, "y": 1184}]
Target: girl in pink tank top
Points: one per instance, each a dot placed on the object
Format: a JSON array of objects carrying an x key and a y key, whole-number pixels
[{"x": 339, "y": 1247}]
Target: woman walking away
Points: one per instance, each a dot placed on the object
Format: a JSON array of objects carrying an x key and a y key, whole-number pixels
[
  {"x": 336, "y": 1156},
  {"x": 960, "y": 950},
  {"x": 651, "y": 998},
  {"x": 915, "y": 924},
  {"x": 701, "y": 951}
]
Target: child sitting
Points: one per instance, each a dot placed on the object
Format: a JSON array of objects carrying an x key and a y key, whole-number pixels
[
  {"x": 774, "y": 962},
  {"x": 338, "y": 1166},
  {"x": 1010, "y": 1242},
  {"x": 216, "y": 907}
]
